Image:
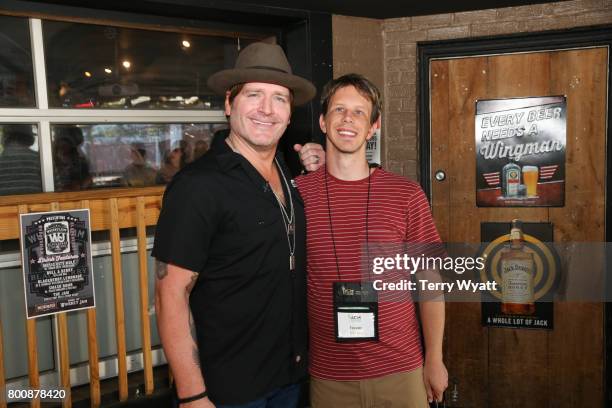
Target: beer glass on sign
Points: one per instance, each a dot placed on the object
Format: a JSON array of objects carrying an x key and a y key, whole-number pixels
[{"x": 530, "y": 179}]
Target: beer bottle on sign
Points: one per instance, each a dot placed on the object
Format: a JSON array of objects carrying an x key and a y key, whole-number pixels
[
  {"x": 511, "y": 179},
  {"x": 517, "y": 272}
]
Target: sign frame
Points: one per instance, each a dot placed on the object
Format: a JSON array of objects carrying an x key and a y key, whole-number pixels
[
  {"x": 537, "y": 236},
  {"x": 53, "y": 246},
  {"x": 520, "y": 146}
]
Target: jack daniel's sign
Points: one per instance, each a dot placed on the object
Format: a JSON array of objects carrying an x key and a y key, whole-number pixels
[{"x": 520, "y": 152}]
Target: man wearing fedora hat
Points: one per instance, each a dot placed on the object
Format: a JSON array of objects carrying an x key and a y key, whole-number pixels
[{"x": 230, "y": 249}]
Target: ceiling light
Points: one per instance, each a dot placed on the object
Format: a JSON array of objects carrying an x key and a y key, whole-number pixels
[
  {"x": 88, "y": 74},
  {"x": 186, "y": 44},
  {"x": 108, "y": 70},
  {"x": 126, "y": 64}
]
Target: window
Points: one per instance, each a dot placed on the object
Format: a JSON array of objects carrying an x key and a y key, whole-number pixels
[
  {"x": 110, "y": 106},
  {"x": 125, "y": 155},
  {"x": 16, "y": 72},
  {"x": 93, "y": 66}
]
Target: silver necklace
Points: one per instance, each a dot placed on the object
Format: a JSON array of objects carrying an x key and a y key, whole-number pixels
[{"x": 288, "y": 219}]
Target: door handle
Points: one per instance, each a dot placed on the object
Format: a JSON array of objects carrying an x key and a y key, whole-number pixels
[{"x": 440, "y": 175}]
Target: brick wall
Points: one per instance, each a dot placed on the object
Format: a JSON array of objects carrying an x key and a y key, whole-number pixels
[
  {"x": 357, "y": 44},
  {"x": 399, "y": 37}
]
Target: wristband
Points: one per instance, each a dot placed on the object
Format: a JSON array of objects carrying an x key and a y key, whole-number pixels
[{"x": 196, "y": 397}]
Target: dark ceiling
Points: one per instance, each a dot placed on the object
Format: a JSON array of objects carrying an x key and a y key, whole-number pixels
[
  {"x": 362, "y": 8},
  {"x": 389, "y": 8}
]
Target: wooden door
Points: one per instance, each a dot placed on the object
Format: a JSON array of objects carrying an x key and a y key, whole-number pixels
[{"x": 500, "y": 367}]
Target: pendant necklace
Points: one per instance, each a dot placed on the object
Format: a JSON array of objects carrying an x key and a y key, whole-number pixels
[{"x": 288, "y": 218}]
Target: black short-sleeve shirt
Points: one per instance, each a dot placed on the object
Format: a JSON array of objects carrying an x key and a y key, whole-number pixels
[{"x": 220, "y": 218}]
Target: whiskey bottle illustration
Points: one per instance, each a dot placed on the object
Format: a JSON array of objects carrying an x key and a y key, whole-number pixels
[
  {"x": 511, "y": 180},
  {"x": 517, "y": 272}
]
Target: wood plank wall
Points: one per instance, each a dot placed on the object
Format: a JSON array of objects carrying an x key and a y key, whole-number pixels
[{"x": 110, "y": 210}]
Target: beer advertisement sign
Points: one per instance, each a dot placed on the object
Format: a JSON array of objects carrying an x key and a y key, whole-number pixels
[
  {"x": 57, "y": 262},
  {"x": 520, "y": 152}
]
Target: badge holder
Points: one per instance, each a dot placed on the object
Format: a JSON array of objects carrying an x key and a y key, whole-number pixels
[{"x": 355, "y": 312}]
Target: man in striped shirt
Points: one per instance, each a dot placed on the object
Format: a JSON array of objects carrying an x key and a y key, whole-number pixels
[{"x": 347, "y": 204}]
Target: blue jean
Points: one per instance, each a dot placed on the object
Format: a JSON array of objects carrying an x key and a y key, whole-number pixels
[{"x": 284, "y": 397}]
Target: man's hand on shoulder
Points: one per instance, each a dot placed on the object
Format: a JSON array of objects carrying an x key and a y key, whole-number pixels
[
  {"x": 312, "y": 155},
  {"x": 435, "y": 378}
]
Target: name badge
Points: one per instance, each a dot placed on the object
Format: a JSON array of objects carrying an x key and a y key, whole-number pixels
[{"x": 355, "y": 311}]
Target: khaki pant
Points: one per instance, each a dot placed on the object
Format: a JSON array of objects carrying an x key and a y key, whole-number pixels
[{"x": 401, "y": 390}]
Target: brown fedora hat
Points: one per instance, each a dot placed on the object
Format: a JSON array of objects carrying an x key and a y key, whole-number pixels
[{"x": 261, "y": 62}]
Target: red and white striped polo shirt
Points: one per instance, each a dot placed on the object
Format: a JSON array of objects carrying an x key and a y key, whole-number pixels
[{"x": 398, "y": 211}]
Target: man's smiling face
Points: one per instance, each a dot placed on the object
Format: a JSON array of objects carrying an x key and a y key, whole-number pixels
[
  {"x": 259, "y": 114},
  {"x": 347, "y": 121}
]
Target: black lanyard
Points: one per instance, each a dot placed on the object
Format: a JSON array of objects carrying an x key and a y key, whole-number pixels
[{"x": 331, "y": 227}]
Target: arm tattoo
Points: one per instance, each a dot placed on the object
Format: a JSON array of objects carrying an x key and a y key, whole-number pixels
[
  {"x": 194, "y": 279},
  {"x": 161, "y": 269}
]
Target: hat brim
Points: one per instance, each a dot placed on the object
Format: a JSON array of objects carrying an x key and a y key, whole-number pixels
[{"x": 303, "y": 90}]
